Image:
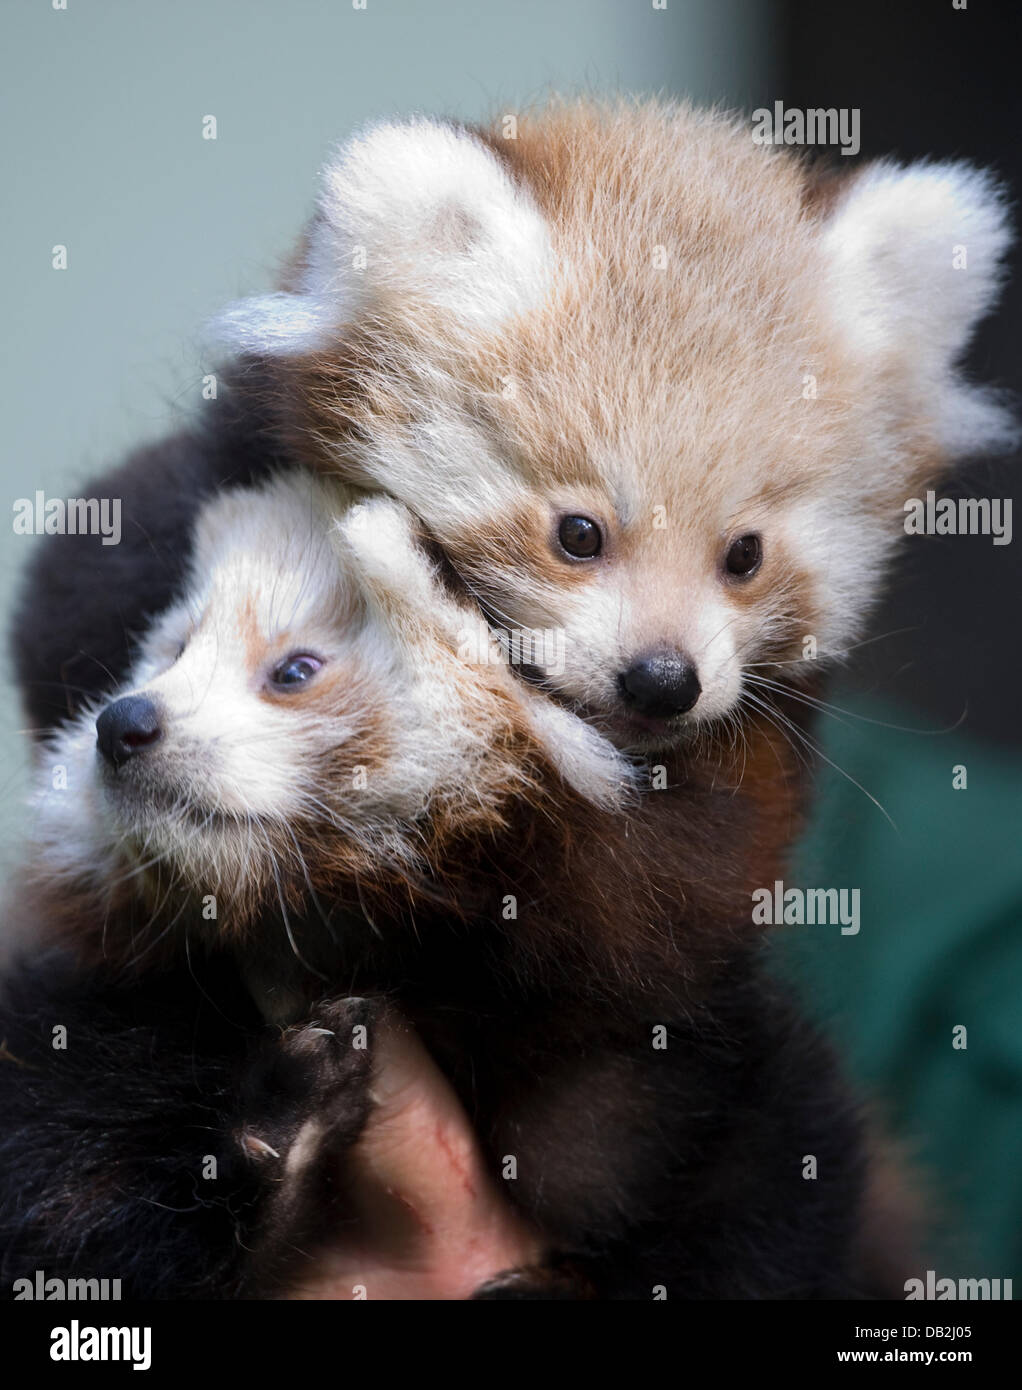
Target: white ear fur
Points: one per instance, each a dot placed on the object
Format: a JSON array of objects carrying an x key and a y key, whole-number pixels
[
  {"x": 915, "y": 262},
  {"x": 420, "y": 210},
  {"x": 432, "y": 214},
  {"x": 378, "y": 534},
  {"x": 275, "y": 325}
]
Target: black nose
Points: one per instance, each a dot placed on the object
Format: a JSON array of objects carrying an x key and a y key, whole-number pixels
[
  {"x": 660, "y": 685},
  {"x": 126, "y": 727}
]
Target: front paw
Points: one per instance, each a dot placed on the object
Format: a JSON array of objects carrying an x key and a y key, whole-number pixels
[
  {"x": 317, "y": 1071},
  {"x": 304, "y": 1103}
]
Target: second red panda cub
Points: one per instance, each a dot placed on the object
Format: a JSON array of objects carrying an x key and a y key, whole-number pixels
[
  {"x": 305, "y": 713},
  {"x": 311, "y": 773},
  {"x": 651, "y": 384}
]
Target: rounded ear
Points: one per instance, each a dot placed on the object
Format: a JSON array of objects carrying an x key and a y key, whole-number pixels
[
  {"x": 426, "y": 210},
  {"x": 418, "y": 211},
  {"x": 915, "y": 261},
  {"x": 379, "y": 536}
]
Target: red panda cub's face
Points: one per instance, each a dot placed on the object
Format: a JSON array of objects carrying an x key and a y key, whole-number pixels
[
  {"x": 659, "y": 398},
  {"x": 303, "y": 716}
]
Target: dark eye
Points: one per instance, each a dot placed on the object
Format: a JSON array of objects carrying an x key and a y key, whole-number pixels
[
  {"x": 744, "y": 556},
  {"x": 580, "y": 537},
  {"x": 295, "y": 671}
]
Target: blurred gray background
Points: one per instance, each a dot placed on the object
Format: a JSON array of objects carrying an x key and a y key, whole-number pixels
[{"x": 102, "y": 111}]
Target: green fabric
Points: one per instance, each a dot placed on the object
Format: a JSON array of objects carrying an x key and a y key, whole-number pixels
[{"x": 939, "y": 945}]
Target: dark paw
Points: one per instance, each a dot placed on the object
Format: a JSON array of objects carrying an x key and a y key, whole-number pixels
[
  {"x": 314, "y": 1075},
  {"x": 305, "y": 1100}
]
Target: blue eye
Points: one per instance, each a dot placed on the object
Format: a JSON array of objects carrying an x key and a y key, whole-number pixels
[{"x": 295, "y": 671}]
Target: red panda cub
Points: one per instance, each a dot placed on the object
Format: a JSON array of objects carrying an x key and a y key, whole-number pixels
[
  {"x": 318, "y": 783},
  {"x": 313, "y": 708},
  {"x": 651, "y": 385},
  {"x": 645, "y": 388}
]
